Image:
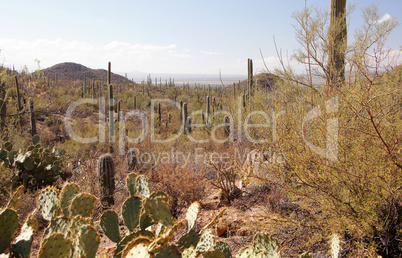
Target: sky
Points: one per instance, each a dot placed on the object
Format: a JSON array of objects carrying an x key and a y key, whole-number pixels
[{"x": 160, "y": 36}]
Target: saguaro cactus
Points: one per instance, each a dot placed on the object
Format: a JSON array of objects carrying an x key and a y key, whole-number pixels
[
  {"x": 181, "y": 111},
  {"x": 250, "y": 76},
  {"x": 111, "y": 113},
  {"x": 135, "y": 102},
  {"x": 159, "y": 114},
  {"x": 118, "y": 112},
  {"x": 33, "y": 120},
  {"x": 184, "y": 115},
  {"x": 3, "y": 105},
  {"x": 106, "y": 179},
  {"x": 207, "y": 109},
  {"x": 337, "y": 41}
]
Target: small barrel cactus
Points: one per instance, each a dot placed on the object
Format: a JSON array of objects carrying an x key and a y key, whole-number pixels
[{"x": 106, "y": 179}]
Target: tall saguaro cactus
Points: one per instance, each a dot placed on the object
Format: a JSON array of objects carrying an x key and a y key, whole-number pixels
[
  {"x": 207, "y": 111},
  {"x": 18, "y": 99},
  {"x": 111, "y": 104},
  {"x": 106, "y": 179},
  {"x": 111, "y": 113},
  {"x": 185, "y": 121},
  {"x": 33, "y": 120},
  {"x": 3, "y": 105},
  {"x": 337, "y": 42},
  {"x": 250, "y": 76}
]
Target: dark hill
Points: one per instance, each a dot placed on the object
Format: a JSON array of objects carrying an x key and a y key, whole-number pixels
[{"x": 73, "y": 71}]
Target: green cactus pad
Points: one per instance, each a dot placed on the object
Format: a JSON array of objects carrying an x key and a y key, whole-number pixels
[
  {"x": 145, "y": 220},
  {"x": 109, "y": 223},
  {"x": 158, "y": 210},
  {"x": 167, "y": 252},
  {"x": 206, "y": 241},
  {"x": 89, "y": 240},
  {"x": 76, "y": 223},
  {"x": 57, "y": 225},
  {"x": 131, "y": 183},
  {"x": 187, "y": 240},
  {"x": 16, "y": 199},
  {"x": 264, "y": 244},
  {"x": 137, "y": 249},
  {"x": 23, "y": 242},
  {"x": 189, "y": 253},
  {"x": 142, "y": 186},
  {"x": 55, "y": 246},
  {"x": 224, "y": 248},
  {"x": 127, "y": 239},
  {"x": 67, "y": 194},
  {"x": 161, "y": 195},
  {"x": 8, "y": 228},
  {"x": 131, "y": 211},
  {"x": 191, "y": 215},
  {"x": 83, "y": 204},
  {"x": 246, "y": 253},
  {"x": 48, "y": 203}
]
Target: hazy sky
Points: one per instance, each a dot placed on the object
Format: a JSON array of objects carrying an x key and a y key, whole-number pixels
[{"x": 159, "y": 36}]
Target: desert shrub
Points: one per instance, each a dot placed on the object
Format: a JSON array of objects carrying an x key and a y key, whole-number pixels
[
  {"x": 182, "y": 185},
  {"x": 345, "y": 165},
  {"x": 225, "y": 180}
]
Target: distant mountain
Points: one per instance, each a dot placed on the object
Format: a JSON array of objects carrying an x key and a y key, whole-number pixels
[{"x": 73, "y": 71}]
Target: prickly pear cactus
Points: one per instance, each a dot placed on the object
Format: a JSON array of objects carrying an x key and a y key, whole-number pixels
[
  {"x": 55, "y": 246},
  {"x": 206, "y": 241},
  {"x": 131, "y": 183},
  {"x": 109, "y": 223},
  {"x": 16, "y": 199},
  {"x": 131, "y": 211},
  {"x": 8, "y": 228},
  {"x": 88, "y": 242},
  {"x": 48, "y": 203},
  {"x": 106, "y": 179},
  {"x": 191, "y": 215},
  {"x": 224, "y": 248},
  {"x": 83, "y": 205},
  {"x": 68, "y": 193},
  {"x": 142, "y": 186},
  {"x": 23, "y": 242},
  {"x": 266, "y": 245}
]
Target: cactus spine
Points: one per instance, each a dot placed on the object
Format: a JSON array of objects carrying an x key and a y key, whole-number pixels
[{"x": 106, "y": 179}]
